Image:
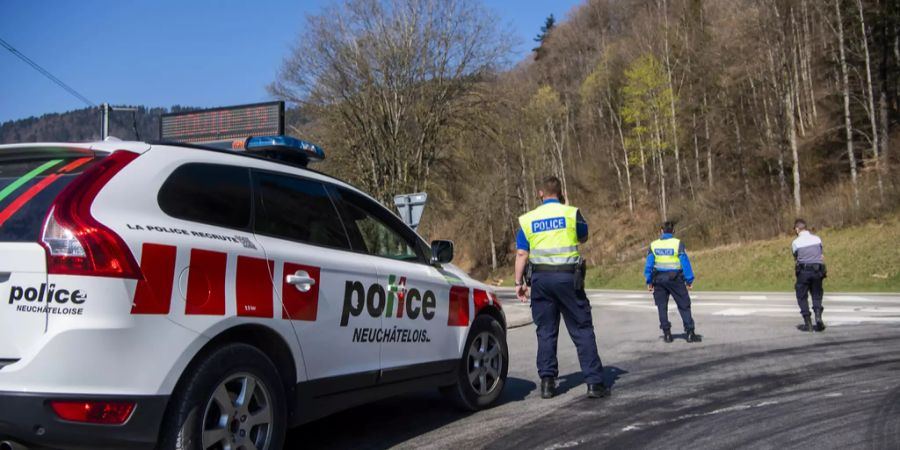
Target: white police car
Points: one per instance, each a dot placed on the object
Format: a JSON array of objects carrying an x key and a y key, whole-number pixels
[{"x": 175, "y": 296}]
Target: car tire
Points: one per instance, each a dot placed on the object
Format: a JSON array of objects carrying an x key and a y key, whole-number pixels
[
  {"x": 227, "y": 393},
  {"x": 482, "y": 370}
]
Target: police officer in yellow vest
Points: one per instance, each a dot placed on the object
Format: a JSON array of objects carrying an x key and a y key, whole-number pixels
[
  {"x": 668, "y": 272},
  {"x": 548, "y": 240}
]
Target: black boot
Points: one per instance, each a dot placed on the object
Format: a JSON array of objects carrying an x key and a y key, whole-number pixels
[
  {"x": 807, "y": 324},
  {"x": 548, "y": 387},
  {"x": 820, "y": 326},
  {"x": 667, "y": 335},
  {"x": 691, "y": 335},
  {"x": 598, "y": 390}
]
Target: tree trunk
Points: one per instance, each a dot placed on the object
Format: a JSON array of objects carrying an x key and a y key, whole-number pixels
[
  {"x": 625, "y": 161},
  {"x": 795, "y": 70},
  {"x": 709, "y": 158},
  {"x": 741, "y": 162},
  {"x": 673, "y": 118},
  {"x": 493, "y": 246},
  {"x": 662, "y": 172},
  {"x": 870, "y": 96},
  {"x": 848, "y": 125},
  {"x": 696, "y": 148},
  {"x": 643, "y": 159},
  {"x": 791, "y": 129},
  {"x": 770, "y": 141},
  {"x": 808, "y": 61}
]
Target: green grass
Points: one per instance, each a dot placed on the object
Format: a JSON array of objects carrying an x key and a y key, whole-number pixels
[{"x": 861, "y": 258}]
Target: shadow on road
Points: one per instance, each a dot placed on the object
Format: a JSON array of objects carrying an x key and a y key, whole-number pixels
[
  {"x": 567, "y": 382},
  {"x": 392, "y": 421}
]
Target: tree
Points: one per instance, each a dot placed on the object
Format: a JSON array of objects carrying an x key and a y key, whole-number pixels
[
  {"x": 548, "y": 118},
  {"x": 549, "y": 24},
  {"x": 393, "y": 80},
  {"x": 845, "y": 89},
  {"x": 647, "y": 99}
]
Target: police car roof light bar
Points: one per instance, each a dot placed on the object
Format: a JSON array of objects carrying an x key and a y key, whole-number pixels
[{"x": 285, "y": 149}]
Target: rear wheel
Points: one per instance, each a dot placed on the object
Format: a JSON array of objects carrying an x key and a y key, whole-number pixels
[
  {"x": 482, "y": 371},
  {"x": 234, "y": 400}
]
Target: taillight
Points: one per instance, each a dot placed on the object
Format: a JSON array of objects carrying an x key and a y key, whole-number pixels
[
  {"x": 76, "y": 243},
  {"x": 99, "y": 412}
]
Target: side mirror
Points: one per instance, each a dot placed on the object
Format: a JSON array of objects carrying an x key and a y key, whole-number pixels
[{"x": 441, "y": 252}]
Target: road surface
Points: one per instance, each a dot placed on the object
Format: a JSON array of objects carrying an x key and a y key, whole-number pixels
[{"x": 754, "y": 382}]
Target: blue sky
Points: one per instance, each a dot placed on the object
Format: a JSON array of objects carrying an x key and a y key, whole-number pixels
[{"x": 167, "y": 52}]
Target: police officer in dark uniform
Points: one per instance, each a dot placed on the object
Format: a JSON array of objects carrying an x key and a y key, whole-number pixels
[
  {"x": 810, "y": 271},
  {"x": 548, "y": 241},
  {"x": 668, "y": 272}
]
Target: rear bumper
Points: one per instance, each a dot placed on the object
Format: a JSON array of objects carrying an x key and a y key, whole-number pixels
[{"x": 27, "y": 419}]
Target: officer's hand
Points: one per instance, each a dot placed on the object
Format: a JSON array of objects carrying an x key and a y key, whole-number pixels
[
  {"x": 690, "y": 287},
  {"x": 649, "y": 288},
  {"x": 520, "y": 293}
]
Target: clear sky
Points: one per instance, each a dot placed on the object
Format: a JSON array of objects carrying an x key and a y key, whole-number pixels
[{"x": 172, "y": 52}]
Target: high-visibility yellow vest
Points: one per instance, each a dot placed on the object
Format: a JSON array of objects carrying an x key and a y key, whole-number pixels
[
  {"x": 551, "y": 233},
  {"x": 665, "y": 254}
]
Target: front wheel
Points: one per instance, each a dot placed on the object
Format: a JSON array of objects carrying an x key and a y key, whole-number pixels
[
  {"x": 234, "y": 400},
  {"x": 483, "y": 367}
]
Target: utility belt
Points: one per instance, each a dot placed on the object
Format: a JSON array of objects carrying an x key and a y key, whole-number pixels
[
  {"x": 571, "y": 268},
  {"x": 815, "y": 267},
  {"x": 579, "y": 270},
  {"x": 666, "y": 275}
]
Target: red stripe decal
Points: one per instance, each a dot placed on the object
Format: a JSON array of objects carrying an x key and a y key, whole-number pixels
[
  {"x": 26, "y": 196},
  {"x": 154, "y": 292},
  {"x": 254, "y": 287},
  {"x": 74, "y": 165},
  {"x": 300, "y": 305},
  {"x": 481, "y": 299},
  {"x": 458, "y": 315},
  {"x": 206, "y": 283}
]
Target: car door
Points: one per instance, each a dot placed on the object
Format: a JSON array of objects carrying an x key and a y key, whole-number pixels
[
  {"x": 421, "y": 339},
  {"x": 323, "y": 286}
]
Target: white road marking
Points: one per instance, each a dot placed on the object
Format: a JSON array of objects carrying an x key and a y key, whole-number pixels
[
  {"x": 742, "y": 407},
  {"x": 734, "y": 312},
  {"x": 569, "y": 444},
  {"x": 752, "y": 297}
]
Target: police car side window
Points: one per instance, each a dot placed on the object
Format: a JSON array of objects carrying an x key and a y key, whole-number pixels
[
  {"x": 208, "y": 193},
  {"x": 297, "y": 209},
  {"x": 369, "y": 230}
]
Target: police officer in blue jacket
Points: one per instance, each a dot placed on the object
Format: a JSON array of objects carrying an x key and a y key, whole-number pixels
[{"x": 668, "y": 272}]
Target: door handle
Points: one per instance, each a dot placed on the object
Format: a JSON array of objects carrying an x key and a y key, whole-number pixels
[{"x": 301, "y": 280}]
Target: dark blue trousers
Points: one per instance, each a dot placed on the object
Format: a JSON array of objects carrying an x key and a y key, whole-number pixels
[
  {"x": 664, "y": 285},
  {"x": 553, "y": 294},
  {"x": 809, "y": 282}
]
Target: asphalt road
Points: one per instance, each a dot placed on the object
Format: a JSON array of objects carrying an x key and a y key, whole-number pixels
[{"x": 754, "y": 382}]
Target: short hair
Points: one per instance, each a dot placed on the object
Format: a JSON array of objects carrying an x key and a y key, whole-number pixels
[
  {"x": 800, "y": 224},
  {"x": 551, "y": 186},
  {"x": 668, "y": 227}
]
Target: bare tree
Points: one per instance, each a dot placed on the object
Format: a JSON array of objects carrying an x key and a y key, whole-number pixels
[
  {"x": 870, "y": 97},
  {"x": 845, "y": 83},
  {"x": 394, "y": 78}
]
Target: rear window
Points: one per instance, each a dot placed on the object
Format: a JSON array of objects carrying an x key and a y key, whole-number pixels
[
  {"x": 28, "y": 187},
  {"x": 208, "y": 193}
]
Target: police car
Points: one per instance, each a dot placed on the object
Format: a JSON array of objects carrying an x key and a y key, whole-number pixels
[{"x": 182, "y": 296}]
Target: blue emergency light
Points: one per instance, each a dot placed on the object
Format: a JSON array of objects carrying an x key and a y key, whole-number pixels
[{"x": 284, "y": 148}]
